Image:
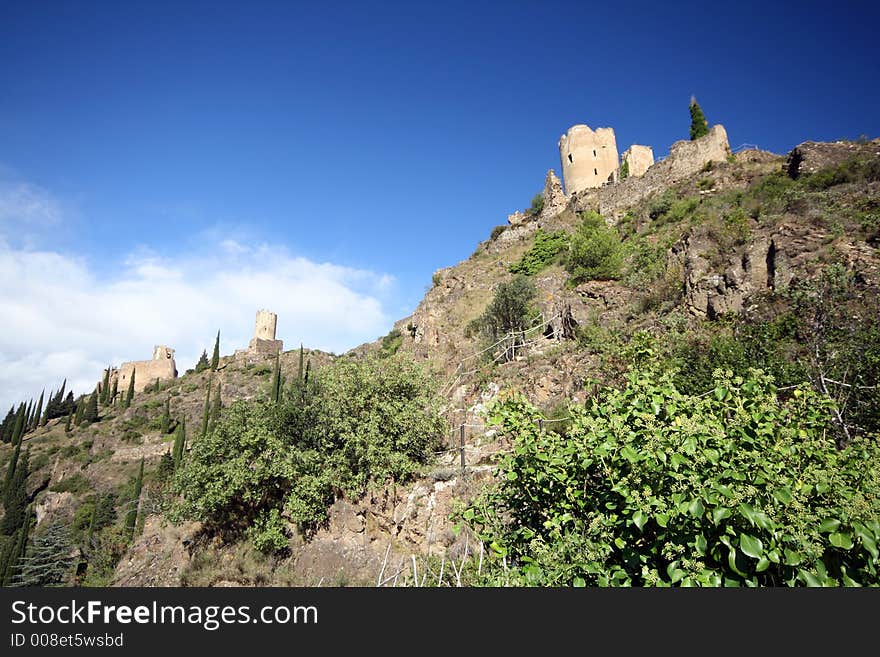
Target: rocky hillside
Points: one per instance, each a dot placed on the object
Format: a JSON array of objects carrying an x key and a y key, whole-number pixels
[{"x": 702, "y": 255}]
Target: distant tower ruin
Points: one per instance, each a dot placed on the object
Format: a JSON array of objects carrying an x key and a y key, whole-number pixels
[
  {"x": 145, "y": 372},
  {"x": 589, "y": 158},
  {"x": 264, "y": 341},
  {"x": 639, "y": 159}
]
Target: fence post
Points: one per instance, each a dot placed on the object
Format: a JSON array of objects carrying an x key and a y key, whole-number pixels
[
  {"x": 540, "y": 424},
  {"x": 461, "y": 446}
]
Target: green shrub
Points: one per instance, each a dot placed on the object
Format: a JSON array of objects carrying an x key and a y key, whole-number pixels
[
  {"x": 595, "y": 252},
  {"x": 510, "y": 310},
  {"x": 72, "y": 483},
  {"x": 358, "y": 422},
  {"x": 391, "y": 343},
  {"x": 652, "y": 487},
  {"x": 537, "y": 204},
  {"x": 544, "y": 250},
  {"x": 496, "y": 232}
]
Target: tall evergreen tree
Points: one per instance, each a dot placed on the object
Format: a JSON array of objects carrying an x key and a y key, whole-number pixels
[
  {"x": 44, "y": 418},
  {"x": 206, "y": 413},
  {"x": 10, "y": 470},
  {"x": 202, "y": 363},
  {"x": 90, "y": 412},
  {"x": 179, "y": 443},
  {"x": 165, "y": 427},
  {"x": 216, "y": 406},
  {"x": 699, "y": 125},
  {"x": 105, "y": 388},
  {"x": 18, "y": 552},
  {"x": 129, "y": 395},
  {"x": 131, "y": 516},
  {"x": 114, "y": 390},
  {"x": 15, "y": 498},
  {"x": 79, "y": 410},
  {"x": 68, "y": 422},
  {"x": 38, "y": 413},
  {"x": 49, "y": 559},
  {"x": 28, "y": 416},
  {"x": 8, "y": 425},
  {"x": 215, "y": 357}
]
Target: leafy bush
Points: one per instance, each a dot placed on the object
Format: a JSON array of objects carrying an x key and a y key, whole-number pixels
[
  {"x": 594, "y": 252},
  {"x": 653, "y": 487},
  {"x": 391, "y": 343},
  {"x": 73, "y": 483},
  {"x": 355, "y": 422},
  {"x": 496, "y": 232},
  {"x": 510, "y": 310},
  {"x": 537, "y": 204},
  {"x": 544, "y": 250}
]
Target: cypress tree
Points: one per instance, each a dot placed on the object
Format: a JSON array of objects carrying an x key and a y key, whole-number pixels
[
  {"x": 18, "y": 552},
  {"x": 179, "y": 443},
  {"x": 69, "y": 403},
  {"x": 699, "y": 125},
  {"x": 90, "y": 413},
  {"x": 44, "y": 417},
  {"x": 7, "y": 426},
  {"x": 131, "y": 516},
  {"x": 114, "y": 392},
  {"x": 166, "y": 417},
  {"x": 215, "y": 357},
  {"x": 67, "y": 424},
  {"x": 38, "y": 413},
  {"x": 80, "y": 410},
  {"x": 105, "y": 388},
  {"x": 15, "y": 498},
  {"x": 28, "y": 416},
  {"x": 202, "y": 363},
  {"x": 130, "y": 394},
  {"x": 10, "y": 471},
  {"x": 216, "y": 406},
  {"x": 206, "y": 414}
]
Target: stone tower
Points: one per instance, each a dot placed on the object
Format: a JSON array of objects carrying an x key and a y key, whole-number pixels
[
  {"x": 264, "y": 341},
  {"x": 640, "y": 159},
  {"x": 265, "y": 326},
  {"x": 589, "y": 158}
]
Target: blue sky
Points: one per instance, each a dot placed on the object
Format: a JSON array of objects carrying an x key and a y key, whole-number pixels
[{"x": 161, "y": 151}]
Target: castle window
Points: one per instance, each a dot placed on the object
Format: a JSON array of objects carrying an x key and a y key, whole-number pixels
[
  {"x": 595, "y": 172},
  {"x": 594, "y": 152},
  {"x": 569, "y": 158}
]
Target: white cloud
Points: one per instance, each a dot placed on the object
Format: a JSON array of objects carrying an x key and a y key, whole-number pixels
[
  {"x": 61, "y": 319},
  {"x": 25, "y": 204}
]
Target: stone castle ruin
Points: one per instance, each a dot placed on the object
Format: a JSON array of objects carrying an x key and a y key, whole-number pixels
[
  {"x": 589, "y": 158},
  {"x": 263, "y": 343},
  {"x": 145, "y": 372}
]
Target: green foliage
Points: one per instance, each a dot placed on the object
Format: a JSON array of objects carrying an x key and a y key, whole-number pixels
[
  {"x": 544, "y": 250},
  {"x": 699, "y": 125},
  {"x": 624, "y": 169},
  {"x": 496, "y": 232},
  {"x": 268, "y": 533},
  {"x": 49, "y": 559},
  {"x": 391, "y": 343},
  {"x": 851, "y": 170},
  {"x": 90, "y": 411},
  {"x": 595, "y": 251},
  {"x": 133, "y": 504},
  {"x": 165, "y": 422},
  {"x": 356, "y": 422},
  {"x": 15, "y": 498},
  {"x": 653, "y": 487},
  {"x": 129, "y": 395},
  {"x": 73, "y": 483},
  {"x": 509, "y": 312},
  {"x": 206, "y": 412},
  {"x": 105, "y": 388},
  {"x": 179, "y": 448},
  {"x": 537, "y": 204},
  {"x": 276, "y": 391},
  {"x": 202, "y": 364},
  {"x": 215, "y": 357}
]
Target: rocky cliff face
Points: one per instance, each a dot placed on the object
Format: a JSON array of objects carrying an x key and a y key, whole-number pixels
[{"x": 782, "y": 232}]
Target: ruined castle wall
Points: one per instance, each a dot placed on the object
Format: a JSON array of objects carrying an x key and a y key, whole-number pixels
[
  {"x": 265, "y": 325},
  {"x": 685, "y": 159},
  {"x": 640, "y": 159},
  {"x": 145, "y": 373},
  {"x": 589, "y": 158}
]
